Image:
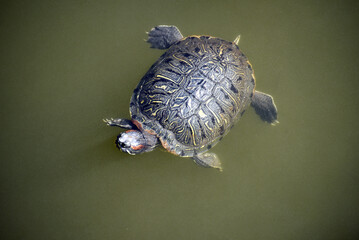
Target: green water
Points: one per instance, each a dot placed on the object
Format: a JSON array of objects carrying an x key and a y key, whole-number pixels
[{"x": 65, "y": 65}]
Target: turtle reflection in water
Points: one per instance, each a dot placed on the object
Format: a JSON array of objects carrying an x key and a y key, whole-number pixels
[{"x": 191, "y": 97}]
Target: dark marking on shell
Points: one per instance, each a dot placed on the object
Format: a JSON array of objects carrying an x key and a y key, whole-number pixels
[
  {"x": 134, "y": 116},
  {"x": 253, "y": 81},
  {"x": 199, "y": 83},
  {"x": 182, "y": 153},
  {"x": 171, "y": 70},
  {"x": 221, "y": 130},
  {"x": 213, "y": 120},
  {"x": 234, "y": 89},
  {"x": 150, "y": 75},
  {"x": 249, "y": 66},
  {"x": 222, "y": 110},
  {"x": 209, "y": 146},
  {"x": 233, "y": 108},
  {"x": 186, "y": 55},
  {"x": 203, "y": 136},
  {"x": 183, "y": 64},
  {"x": 239, "y": 79},
  {"x": 136, "y": 90},
  {"x": 197, "y": 49}
]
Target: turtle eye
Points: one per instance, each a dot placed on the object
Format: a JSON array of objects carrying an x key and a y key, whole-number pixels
[{"x": 122, "y": 145}]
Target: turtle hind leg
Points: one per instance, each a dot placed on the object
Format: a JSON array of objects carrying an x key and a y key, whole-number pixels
[
  {"x": 208, "y": 160},
  {"x": 264, "y": 106},
  {"x": 122, "y": 123},
  {"x": 163, "y": 36}
]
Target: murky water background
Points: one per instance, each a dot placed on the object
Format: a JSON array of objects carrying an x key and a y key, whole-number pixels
[{"x": 65, "y": 65}]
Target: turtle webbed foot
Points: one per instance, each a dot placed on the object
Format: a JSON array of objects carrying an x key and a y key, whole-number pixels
[
  {"x": 163, "y": 36},
  {"x": 264, "y": 106},
  {"x": 208, "y": 160}
]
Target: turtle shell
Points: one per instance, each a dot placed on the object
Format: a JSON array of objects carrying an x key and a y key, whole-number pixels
[{"x": 193, "y": 94}]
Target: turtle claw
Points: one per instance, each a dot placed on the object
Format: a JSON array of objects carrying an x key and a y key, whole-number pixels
[
  {"x": 110, "y": 122},
  {"x": 276, "y": 122},
  {"x": 107, "y": 121}
]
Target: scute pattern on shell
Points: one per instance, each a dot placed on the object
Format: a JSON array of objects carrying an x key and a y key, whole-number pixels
[{"x": 194, "y": 93}]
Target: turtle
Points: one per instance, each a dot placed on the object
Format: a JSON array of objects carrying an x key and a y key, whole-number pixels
[{"x": 191, "y": 97}]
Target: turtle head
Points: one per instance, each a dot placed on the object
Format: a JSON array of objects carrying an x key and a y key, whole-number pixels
[{"x": 135, "y": 142}]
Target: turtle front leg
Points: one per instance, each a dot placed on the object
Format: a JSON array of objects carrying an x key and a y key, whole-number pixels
[
  {"x": 208, "y": 160},
  {"x": 119, "y": 122},
  {"x": 163, "y": 36}
]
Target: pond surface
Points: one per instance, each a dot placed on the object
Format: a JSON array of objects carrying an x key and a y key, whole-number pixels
[{"x": 67, "y": 65}]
